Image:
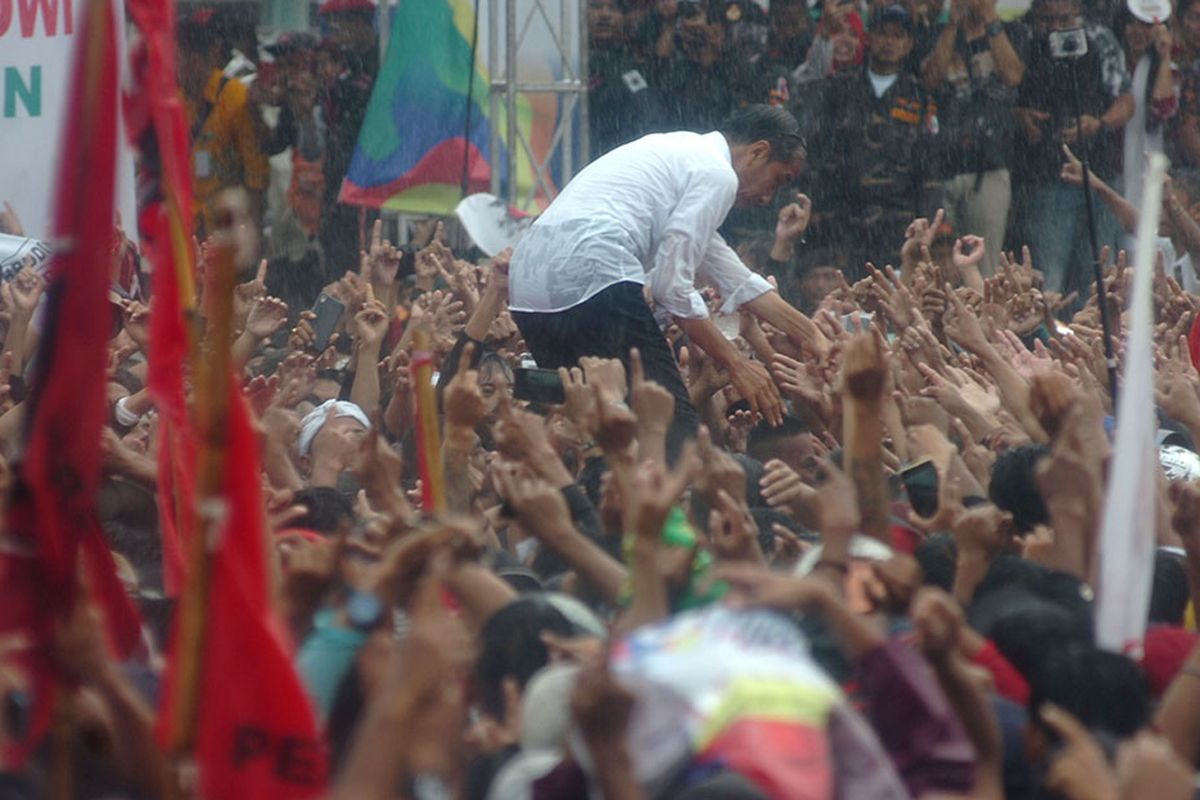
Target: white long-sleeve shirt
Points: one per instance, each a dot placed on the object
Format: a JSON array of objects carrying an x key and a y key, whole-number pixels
[{"x": 646, "y": 212}]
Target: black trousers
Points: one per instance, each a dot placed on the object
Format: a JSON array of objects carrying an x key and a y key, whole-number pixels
[{"x": 607, "y": 325}]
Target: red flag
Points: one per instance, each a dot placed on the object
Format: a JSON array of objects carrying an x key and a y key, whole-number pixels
[
  {"x": 257, "y": 735},
  {"x": 157, "y": 126},
  {"x": 52, "y": 521}
]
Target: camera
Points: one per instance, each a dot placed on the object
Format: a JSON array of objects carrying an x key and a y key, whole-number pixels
[{"x": 1071, "y": 43}]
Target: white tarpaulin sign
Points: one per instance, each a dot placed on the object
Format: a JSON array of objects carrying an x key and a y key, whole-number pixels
[{"x": 36, "y": 40}]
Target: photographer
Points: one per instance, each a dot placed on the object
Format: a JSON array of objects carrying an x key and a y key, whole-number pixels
[
  {"x": 974, "y": 72},
  {"x": 693, "y": 69},
  {"x": 1055, "y": 214}
]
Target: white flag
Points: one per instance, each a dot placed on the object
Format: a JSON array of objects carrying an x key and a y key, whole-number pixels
[{"x": 1127, "y": 534}]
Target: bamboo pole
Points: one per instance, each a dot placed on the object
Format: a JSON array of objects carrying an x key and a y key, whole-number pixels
[
  {"x": 429, "y": 443},
  {"x": 211, "y": 374}
]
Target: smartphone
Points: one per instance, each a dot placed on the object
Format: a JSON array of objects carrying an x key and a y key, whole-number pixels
[
  {"x": 538, "y": 386},
  {"x": 921, "y": 484},
  {"x": 329, "y": 312}
]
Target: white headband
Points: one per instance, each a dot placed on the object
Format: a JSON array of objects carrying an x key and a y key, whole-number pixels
[{"x": 314, "y": 420}]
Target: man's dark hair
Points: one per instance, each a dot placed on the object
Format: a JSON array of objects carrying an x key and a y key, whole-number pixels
[
  {"x": 765, "y": 518},
  {"x": 327, "y": 509},
  {"x": 1014, "y": 489},
  {"x": 764, "y": 440},
  {"x": 511, "y": 646},
  {"x": 937, "y": 555},
  {"x": 1026, "y": 628},
  {"x": 774, "y": 125},
  {"x": 820, "y": 255},
  {"x": 1107, "y": 692}
]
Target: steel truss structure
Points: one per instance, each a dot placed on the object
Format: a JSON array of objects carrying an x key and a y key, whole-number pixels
[{"x": 509, "y": 24}]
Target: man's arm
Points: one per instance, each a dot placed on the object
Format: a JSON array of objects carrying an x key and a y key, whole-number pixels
[
  {"x": 937, "y": 63},
  {"x": 690, "y": 232},
  {"x": 1119, "y": 113},
  {"x": 749, "y": 378},
  {"x": 740, "y": 288},
  {"x": 689, "y": 239},
  {"x": 1009, "y": 65},
  {"x": 1125, "y": 212},
  {"x": 772, "y": 308}
]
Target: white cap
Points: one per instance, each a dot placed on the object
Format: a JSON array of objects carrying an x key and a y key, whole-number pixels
[
  {"x": 314, "y": 420},
  {"x": 1150, "y": 11}
]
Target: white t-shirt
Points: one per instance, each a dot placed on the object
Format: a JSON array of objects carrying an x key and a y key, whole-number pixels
[
  {"x": 646, "y": 212},
  {"x": 881, "y": 83}
]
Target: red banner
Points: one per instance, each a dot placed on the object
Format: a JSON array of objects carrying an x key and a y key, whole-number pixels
[{"x": 52, "y": 524}]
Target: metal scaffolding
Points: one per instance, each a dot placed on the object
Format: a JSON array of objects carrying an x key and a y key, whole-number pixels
[{"x": 509, "y": 24}]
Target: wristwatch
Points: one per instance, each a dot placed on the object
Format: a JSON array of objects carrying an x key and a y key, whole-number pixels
[{"x": 994, "y": 29}]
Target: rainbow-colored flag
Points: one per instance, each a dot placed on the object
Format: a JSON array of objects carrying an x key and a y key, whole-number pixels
[{"x": 415, "y": 137}]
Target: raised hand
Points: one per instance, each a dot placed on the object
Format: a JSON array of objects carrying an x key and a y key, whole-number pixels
[
  {"x": 136, "y": 321},
  {"x": 381, "y": 262},
  {"x": 793, "y": 219},
  {"x": 606, "y": 375},
  {"x": 733, "y": 531},
  {"x": 246, "y": 294},
  {"x": 267, "y": 315},
  {"x": 371, "y": 324},
  {"x": 651, "y": 490},
  {"x": 968, "y": 253},
  {"x": 463, "y": 401},
  {"x": 435, "y": 259},
  {"x": 616, "y": 425},
  {"x": 23, "y": 292},
  {"x": 920, "y": 233},
  {"x": 10, "y": 223},
  {"x": 963, "y": 326},
  {"x": 1080, "y": 769}
]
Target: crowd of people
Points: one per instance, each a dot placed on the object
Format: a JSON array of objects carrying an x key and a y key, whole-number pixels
[{"x": 884, "y": 586}]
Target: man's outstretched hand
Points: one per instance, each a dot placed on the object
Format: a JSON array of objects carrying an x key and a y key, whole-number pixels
[{"x": 753, "y": 382}]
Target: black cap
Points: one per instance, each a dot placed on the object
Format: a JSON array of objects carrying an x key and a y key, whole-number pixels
[{"x": 892, "y": 13}]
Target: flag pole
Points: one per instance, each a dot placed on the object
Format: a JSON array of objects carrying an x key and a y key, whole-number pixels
[
  {"x": 91, "y": 54},
  {"x": 211, "y": 373},
  {"x": 429, "y": 444},
  {"x": 62, "y": 766},
  {"x": 1125, "y": 552}
]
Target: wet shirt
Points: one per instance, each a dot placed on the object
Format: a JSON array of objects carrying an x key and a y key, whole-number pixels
[{"x": 647, "y": 212}]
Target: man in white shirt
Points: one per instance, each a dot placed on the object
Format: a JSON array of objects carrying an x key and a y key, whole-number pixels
[{"x": 646, "y": 214}]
